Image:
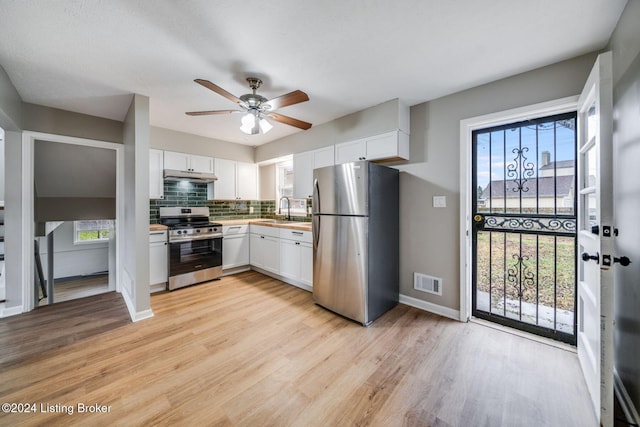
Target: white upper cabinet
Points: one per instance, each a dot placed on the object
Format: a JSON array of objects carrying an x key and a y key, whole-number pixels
[
  {"x": 156, "y": 179},
  {"x": 201, "y": 164},
  {"x": 303, "y": 166},
  {"x": 392, "y": 145},
  {"x": 236, "y": 180},
  {"x": 247, "y": 184},
  {"x": 188, "y": 162}
]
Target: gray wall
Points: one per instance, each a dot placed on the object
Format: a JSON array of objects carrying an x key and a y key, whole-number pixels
[
  {"x": 429, "y": 238},
  {"x": 73, "y": 182},
  {"x": 267, "y": 181},
  {"x": 625, "y": 46},
  {"x": 136, "y": 215},
  {"x": 10, "y": 104},
  {"x": 60, "y": 122},
  {"x": 171, "y": 140}
]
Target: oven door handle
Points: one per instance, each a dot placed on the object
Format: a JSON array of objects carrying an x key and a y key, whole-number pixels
[{"x": 190, "y": 239}]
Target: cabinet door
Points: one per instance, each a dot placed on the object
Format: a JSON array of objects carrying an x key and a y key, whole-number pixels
[
  {"x": 235, "y": 251},
  {"x": 271, "y": 254},
  {"x": 306, "y": 263},
  {"x": 382, "y": 146},
  {"x": 176, "y": 161},
  {"x": 201, "y": 164},
  {"x": 156, "y": 180},
  {"x": 256, "y": 250},
  {"x": 247, "y": 181},
  {"x": 302, "y": 175},
  {"x": 225, "y": 186},
  {"x": 350, "y": 151},
  {"x": 324, "y": 157},
  {"x": 158, "y": 263},
  {"x": 290, "y": 259}
]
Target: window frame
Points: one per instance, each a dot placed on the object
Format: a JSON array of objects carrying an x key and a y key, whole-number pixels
[{"x": 76, "y": 241}]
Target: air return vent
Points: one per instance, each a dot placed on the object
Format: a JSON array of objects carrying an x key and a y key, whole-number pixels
[{"x": 429, "y": 284}]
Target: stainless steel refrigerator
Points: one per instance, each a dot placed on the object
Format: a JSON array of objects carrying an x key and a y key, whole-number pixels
[{"x": 355, "y": 239}]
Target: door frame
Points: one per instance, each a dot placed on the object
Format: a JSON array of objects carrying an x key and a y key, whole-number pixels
[
  {"x": 467, "y": 126},
  {"x": 28, "y": 141}
]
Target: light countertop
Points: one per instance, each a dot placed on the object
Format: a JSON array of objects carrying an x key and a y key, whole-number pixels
[{"x": 304, "y": 226}]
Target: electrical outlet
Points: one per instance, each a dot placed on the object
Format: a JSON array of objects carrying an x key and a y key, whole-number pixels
[
  {"x": 250, "y": 209},
  {"x": 439, "y": 201}
]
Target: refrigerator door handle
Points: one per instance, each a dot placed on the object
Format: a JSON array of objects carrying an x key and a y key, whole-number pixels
[
  {"x": 315, "y": 226},
  {"x": 316, "y": 196}
]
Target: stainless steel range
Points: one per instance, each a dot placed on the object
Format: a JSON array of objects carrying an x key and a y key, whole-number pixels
[{"x": 195, "y": 246}]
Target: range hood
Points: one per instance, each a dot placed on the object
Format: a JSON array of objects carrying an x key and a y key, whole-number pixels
[{"x": 176, "y": 175}]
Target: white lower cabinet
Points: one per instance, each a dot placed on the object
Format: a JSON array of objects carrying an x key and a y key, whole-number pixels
[
  {"x": 235, "y": 246},
  {"x": 284, "y": 252},
  {"x": 296, "y": 257},
  {"x": 158, "y": 260},
  {"x": 264, "y": 248}
]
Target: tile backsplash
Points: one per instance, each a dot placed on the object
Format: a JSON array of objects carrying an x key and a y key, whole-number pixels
[{"x": 178, "y": 193}]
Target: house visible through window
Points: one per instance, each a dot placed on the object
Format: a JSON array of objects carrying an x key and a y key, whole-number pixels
[
  {"x": 284, "y": 188},
  {"x": 92, "y": 231}
]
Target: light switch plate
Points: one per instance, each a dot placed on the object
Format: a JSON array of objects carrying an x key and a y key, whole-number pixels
[
  {"x": 439, "y": 201},
  {"x": 250, "y": 209}
]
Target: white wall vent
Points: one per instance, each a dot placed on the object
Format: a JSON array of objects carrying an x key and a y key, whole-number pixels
[{"x": 429, "y": 284}]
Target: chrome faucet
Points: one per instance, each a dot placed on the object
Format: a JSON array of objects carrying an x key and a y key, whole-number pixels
[{"x": 288, "y": 207}]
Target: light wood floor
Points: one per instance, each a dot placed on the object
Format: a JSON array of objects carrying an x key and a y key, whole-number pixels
[
  {"x": 79, "y": 288},
  {"x": 251, "y": 351}
]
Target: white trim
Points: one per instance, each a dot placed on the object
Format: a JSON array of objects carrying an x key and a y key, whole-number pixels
[
  {"x": 27, "y": 223},
  {"x": 28, "y": 139},
  {"x": 467, "y": 126},
  {"x": 624, "y": 399},
  {"x": 430, "y": 307},
  {"x": 135, "y": 316},
  {"x": 11, "y": 311}
]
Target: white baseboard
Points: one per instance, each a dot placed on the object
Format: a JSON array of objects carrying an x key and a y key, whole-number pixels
[
  {"x": 136, "y": 316},
  {"x": 10, "y": 311},
  {"x": 430, "y": 307},
  {"x": 630, "y": 411}
]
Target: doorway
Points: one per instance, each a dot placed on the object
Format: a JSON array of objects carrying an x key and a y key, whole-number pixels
[
  {"x": 524, "y": 225},
  {"x": 73, "y": 195}
]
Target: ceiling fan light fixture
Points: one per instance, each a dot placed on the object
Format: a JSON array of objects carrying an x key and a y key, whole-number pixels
[
  {"x": 265, "y": 126},
  {"x": 248, "y": 123}
]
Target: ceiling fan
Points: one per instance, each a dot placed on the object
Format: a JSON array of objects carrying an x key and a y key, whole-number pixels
[{"x": 257, "y": 108}]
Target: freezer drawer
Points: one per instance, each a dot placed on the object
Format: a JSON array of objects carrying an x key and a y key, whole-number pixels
[{"x": 340, "y": 265}]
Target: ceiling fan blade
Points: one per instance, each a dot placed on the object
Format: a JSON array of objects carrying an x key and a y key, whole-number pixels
[
  {"x": 217, "y": 89},
  {"x": 291, "y": 98},
  {"x": 207, "y": 113},
  {"x": 289, "y": 121}
]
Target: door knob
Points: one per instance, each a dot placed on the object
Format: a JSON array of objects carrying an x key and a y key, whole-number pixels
[
  {"x": 623, "y": 260},
  {"x": 587, "y": 257}
]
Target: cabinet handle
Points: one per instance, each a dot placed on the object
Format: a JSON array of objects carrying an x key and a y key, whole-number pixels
[
  {"x": 262, "y": 237},
  {"x": 234, "y": 227},
  {"x": 297, "y": 233},
  {"x": 156, "y": 233}
]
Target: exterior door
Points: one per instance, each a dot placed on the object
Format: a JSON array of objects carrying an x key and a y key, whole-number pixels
[
  {"x": 524, "y": 225},
  {"x": 595, "y": 237}
]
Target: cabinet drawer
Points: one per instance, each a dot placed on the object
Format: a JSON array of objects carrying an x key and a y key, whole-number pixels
[
  {"x": 157, "y": 236},
  {"x": 265, "y": 230},
  {"x": 230, "y": 230},
  {"x": 297, "y": 235}
]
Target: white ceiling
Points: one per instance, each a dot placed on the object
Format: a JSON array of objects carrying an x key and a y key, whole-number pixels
[{"x": 90, "y": 56}]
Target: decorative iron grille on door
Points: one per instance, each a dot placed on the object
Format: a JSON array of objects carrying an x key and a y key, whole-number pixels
[{"x": 524, "y": 225}]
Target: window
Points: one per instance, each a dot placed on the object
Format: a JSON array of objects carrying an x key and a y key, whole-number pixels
[
  {"x": 284, "y": 188},
  {"x": 92, "y": 231}
]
